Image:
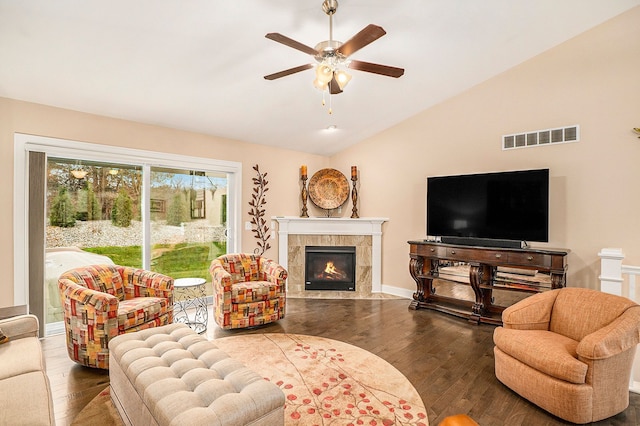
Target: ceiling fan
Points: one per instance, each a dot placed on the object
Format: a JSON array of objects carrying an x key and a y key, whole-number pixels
[{"x": 332, "y": 56}]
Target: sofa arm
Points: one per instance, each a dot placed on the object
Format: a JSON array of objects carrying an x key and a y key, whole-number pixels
[
  {"x": 273, "y": 271},
  {"x": 20, "y": 326},
  {"x": 144, "y": 283},
  {"x": 532, "y": 313},
  {"x": 618, "y": 336}
]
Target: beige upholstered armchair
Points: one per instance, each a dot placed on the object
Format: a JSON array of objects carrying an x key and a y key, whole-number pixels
[
  {"x": 248, "y": 290},
  {"x": 103, "y": 301},
  {"x": 570, "y": 351}
]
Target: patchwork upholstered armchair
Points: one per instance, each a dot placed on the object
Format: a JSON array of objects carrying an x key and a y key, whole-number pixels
[
  {"x": 570, "y": 351},
  {"x": 248, "y": 290},
  {"x": 103, "y": 301}
]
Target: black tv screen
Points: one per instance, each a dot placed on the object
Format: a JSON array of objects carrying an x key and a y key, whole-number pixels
[{"x": 504, "y": 205}]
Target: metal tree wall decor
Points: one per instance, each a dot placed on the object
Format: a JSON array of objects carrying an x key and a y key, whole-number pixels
[{"x": 258, "y": 222}]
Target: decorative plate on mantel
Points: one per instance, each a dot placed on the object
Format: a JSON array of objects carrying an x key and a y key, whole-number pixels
[{"x": 328, "y": 189}]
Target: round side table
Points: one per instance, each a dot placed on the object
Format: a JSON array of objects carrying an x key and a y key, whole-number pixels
[{"x": 190, "y": 303}]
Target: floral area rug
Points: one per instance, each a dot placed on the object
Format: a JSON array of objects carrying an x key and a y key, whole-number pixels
[
  {"x": 99, "y": 411},
  {"x": 325, "y": 382},
  {"x": 328, "y": 382}
]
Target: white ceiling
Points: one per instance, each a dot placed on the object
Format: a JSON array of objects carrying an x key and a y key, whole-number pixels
[{"x": 198, "y": 65}]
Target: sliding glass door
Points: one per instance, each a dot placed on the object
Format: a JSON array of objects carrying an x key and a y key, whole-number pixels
[
  {"x": 93, "y": 215},
  {"x": 172, "y": 218},
  {"x": 188, "y": 214}
]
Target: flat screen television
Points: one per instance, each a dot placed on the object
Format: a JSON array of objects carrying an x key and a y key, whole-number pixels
[{"x": 482, "y": 209}]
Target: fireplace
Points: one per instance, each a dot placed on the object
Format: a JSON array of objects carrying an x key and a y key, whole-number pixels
[
  {"x": 330, "y": 268},
  {"x": 295, "y": 233}
]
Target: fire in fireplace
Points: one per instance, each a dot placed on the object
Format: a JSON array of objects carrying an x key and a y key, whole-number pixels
[{"x": 330, "y": 268}]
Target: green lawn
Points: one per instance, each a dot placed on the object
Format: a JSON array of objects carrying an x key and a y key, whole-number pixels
[
  {"x": 185, "y": 260},
  {"x": 129, "y": 255}
]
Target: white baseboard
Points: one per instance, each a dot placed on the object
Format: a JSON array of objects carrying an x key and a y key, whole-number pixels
[{"x": 397, "y": 291}]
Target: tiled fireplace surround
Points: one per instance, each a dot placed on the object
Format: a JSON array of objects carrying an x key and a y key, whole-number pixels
[{"x": 294, "y": 233}]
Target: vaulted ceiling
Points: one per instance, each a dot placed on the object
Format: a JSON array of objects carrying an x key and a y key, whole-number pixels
[{"x": 198, "y": 65}]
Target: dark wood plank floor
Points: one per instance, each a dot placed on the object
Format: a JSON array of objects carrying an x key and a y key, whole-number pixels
[{"x": 448, "y": 360}]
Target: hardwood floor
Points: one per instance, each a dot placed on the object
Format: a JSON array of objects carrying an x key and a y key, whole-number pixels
[{"x": 448, "y": 360}]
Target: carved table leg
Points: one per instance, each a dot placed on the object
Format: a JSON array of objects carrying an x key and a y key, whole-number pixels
[
  {"x": 422, "y": 271},
  {"x": 416, "y": 265},
  {"x": 478, "y": 275}
]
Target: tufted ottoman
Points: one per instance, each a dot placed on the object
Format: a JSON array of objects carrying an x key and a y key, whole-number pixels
[{"x": 170, "y": 375}]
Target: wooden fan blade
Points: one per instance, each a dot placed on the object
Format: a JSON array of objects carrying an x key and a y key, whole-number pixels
[
  {"x": 291, "y": 43},
  {"x": 376, "y": 68},
  {"x": 369, "y": 34},
  {"x": 288, "y": 72},
  {"x": 334, "y": 88}
]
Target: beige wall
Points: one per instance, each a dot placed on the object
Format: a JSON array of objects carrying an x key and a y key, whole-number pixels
[{"x": 590, "y": 80}]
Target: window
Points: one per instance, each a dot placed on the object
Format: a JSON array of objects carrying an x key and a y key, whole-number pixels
[{"x": 162, "y": 212}]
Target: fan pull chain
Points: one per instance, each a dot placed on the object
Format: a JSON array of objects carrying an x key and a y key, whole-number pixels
[{"x": 330, "y": 109}]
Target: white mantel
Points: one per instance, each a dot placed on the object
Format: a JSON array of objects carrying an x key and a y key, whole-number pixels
[{"x": 372, "y": 226}]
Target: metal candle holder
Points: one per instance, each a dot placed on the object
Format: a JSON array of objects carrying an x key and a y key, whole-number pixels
[
  {"x": 354, "y": 197},
  {"x": 303, "y": 194}
]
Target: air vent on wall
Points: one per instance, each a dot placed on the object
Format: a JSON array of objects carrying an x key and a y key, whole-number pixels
[{"x": 541, "y": 137}]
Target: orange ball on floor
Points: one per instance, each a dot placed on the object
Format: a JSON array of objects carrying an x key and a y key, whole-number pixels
[{"x": 458, "y": 420}]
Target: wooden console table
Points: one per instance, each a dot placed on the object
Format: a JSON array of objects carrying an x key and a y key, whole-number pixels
[{"x": 430, "y": 259}]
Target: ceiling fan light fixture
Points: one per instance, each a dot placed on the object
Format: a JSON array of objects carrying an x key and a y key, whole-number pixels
[
  {"x": 324, "y": 73},
  {"x": 319, "y": 84},
  {"x": 333, "y": 56},
  {"x": 343, "y": 78}
]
